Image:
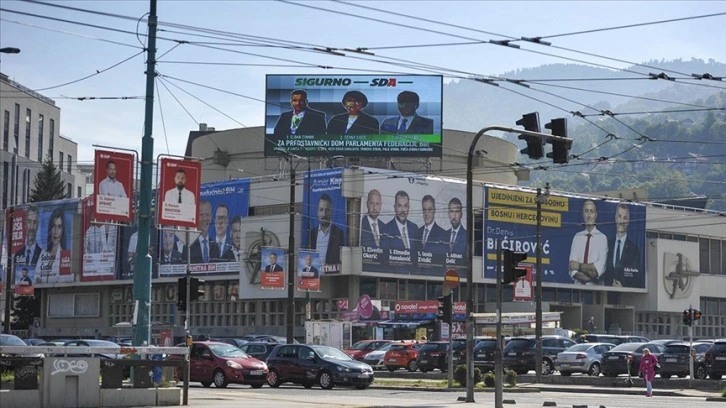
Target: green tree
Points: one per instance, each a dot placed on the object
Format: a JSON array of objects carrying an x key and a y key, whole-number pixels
[
  {"x": 24, "y": 312},
  {"x": 48, "y": 184}
]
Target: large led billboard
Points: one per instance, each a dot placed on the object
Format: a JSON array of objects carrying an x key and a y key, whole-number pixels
[
  {"x": 354, "y": 115},
  {"x": 593, "y": 242}
]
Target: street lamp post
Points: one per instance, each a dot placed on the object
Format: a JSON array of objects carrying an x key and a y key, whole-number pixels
[
  {"x": 470, "y": 251},
  {"x": 538, "y": 294}
]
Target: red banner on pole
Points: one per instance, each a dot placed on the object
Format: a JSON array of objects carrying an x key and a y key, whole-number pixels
[
  {"x": 179, "y": 193},
  {"x": 113, "y": 183}
]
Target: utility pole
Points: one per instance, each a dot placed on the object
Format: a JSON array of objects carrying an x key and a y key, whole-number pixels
[
  {"x": 142, "y": 264},
  {"x": 538, "y": 293},
  {"x": 291, "y": 258}
]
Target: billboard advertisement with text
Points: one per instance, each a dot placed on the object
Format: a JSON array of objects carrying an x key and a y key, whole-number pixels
[
  {"x": 354, "y": 115},
  {"x": 179, "y": 193},
  {"x": 594, "y": 242},
  {"x": 113, "y": 185},
  {"x": 100, "y": 246}
]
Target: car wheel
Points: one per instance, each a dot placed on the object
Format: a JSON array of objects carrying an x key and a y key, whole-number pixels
[
  {"x": 325, "y": 379},
  {"x": 206, "y": 384},
  {"x": 547, "y": 367},
  {"x": 257, "y": 385},
  {"x": 565, "y": 373},
  {"x": 361, "y": 387},
  {"x": 682, "y": 375},
  {"x": 700, "y": 372},
  {"x": 391, "y": 368},
  {"x": 594, "y": 370},
  {"x": 715, "y": 376},
  {"x": 220, "y": 380},
  {"x": 273, "y": 379},
  {"x": 412, "y": 366}
]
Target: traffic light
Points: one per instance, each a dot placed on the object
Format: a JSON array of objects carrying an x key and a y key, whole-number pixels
[
  {"x": 511, "y": 260},
  {"x": 535, "y": 145},
  {"x": 445, "y": 309},
  {"x": 195, "y": 289},
  {"x": 560, "y": 148},
  {"x": 181, "y": 294},
  {"x": 687, "y": 320}
]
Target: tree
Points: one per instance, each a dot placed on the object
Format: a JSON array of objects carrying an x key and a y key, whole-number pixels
[
  {"x": 48, "y": 184},
  {"x": 25, "y": 310}
]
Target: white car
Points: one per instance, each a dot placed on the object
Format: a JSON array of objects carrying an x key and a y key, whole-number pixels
[{"x": 375, "y": 358}]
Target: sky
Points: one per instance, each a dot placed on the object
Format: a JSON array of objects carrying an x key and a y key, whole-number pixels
[{"x": 213, "y": 56}]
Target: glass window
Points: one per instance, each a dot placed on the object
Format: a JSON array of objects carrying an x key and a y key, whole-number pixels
[
  {"x": 389, "y": 289},
  {"x": 703, "y": 257},
  {"x": 60, "y": 161},
  {"x": 41, "y": 123},
  {"x": 6, "y": 130},
  {"x": 51, "y": 137},
  {"x": 87, "y": 305},
  {"x": 69, "y": 190},
  {"x": 70, "y": 161},
  {"x": 28, "y": 112},
  {"x": 416, "y": 290},
  {"x": 715, "y": 256},
  {"x": 16, "y": 129},
  {"x": 433, "y": 290},
  {"x": 368, "y": 287}
]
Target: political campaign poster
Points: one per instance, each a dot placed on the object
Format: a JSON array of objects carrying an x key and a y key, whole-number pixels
[
  {"x": 128, "y": 241},
  {"x": 308, "y": 271},
  {"x": 412, "y": 224},
  {"x": 42, "y": 237},
  {"x": 100, "y": 246},
  {"x": 113, "y": 181},
  {"x": 216, "y": 248},
  {"x": 354, "y": 115},
  {"x": 585, "y": 241},
  {"x": 179, "y": 192},
  {"x": 273, "y": 268},
  {"x": 324, "y": 217},
  {"x": 24, "y": 275}
]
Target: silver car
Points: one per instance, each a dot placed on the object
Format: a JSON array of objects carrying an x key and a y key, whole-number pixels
[{"x": 582, "y": 358}]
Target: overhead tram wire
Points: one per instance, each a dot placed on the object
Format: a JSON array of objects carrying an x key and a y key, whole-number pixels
[
  {"x": 161, "y": 113},
  {"x": 205, "y": 103},
  {"x": 98, "y": 72},
  {"x": 70, "y": 33}
]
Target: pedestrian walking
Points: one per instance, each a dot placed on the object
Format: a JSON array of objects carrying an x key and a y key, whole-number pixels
[{"x": 648, "y": 364}]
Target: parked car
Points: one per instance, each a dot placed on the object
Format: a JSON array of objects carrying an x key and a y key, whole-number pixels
[
  {"x": 675, "y": 360},
  {"x": 715, "y": 358},
  {"x": 612, "y": 339},
  {"x": 376, "y": 358},
  {"x": 86, "y": 347},
  {"x": 458, "y": 353},
  {"x": 268, "y": 338},
  {"x": 258, "y": 350},
  {"x": 582, "y": 358},
  {"x": 432, "y": 355},
  {"x": 402, "y": 355},
  {"x": 359, "y": 350},
  {"x": 315, "y": 364},
  {"x": 520, "y": 353},
  {"x": 33, "y": 342},
  {"x": 615, "y": 361},
  {"x": 484, "y": 354},
  {"x": 212, "y": 362},
  {"x": 230, "y": 340}
]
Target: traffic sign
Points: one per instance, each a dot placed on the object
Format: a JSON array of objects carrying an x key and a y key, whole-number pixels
[{"x": 451, "y": 279}]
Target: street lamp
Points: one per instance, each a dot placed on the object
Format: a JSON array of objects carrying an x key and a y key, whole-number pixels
[
  {"x": 541, "y": 198},
  {"x": 470, "y": 252}
]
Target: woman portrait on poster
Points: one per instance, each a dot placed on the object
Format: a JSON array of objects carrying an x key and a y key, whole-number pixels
[{"x": 50, "y": 258}]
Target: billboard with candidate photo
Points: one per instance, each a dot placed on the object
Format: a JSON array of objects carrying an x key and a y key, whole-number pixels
[
  {"x": 100, "y": 246},
  {"x": 354, "y": 115},
  {"x": 324, "y": 217},
  {"x": 113, "y": 186},
  {"x": 412, "y": 224},
  {"x": 217, "y": 246},
  {"x": 308, "y": 271},
  {"x": 585, "y": 241},
  {"x": 273, "y": 268},
  {"x": 42, "y": 237},
  {"x": 179, "y": 193}
]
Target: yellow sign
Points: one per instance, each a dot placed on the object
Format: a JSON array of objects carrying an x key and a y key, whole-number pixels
[
  {"x": 526, "y": 199},
  {"x": 522, "y": 216}
]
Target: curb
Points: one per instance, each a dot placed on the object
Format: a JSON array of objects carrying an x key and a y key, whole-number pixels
[{"x": 621, "y": 391}]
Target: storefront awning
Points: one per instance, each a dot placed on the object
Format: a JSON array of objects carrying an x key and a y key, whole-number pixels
[{"x": 411, "y": 324}]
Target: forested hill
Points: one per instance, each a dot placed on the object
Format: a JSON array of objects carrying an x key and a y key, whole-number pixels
[{"x": 666, "y": 141}]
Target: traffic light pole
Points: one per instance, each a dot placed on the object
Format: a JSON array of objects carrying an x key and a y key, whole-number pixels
[
  {"x": 538, "y": 291},
  {"x": 450, "y": 350}
]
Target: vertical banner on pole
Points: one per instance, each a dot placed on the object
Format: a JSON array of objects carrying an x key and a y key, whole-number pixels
[
  {"x": 272, "y": 270},
  {"x": 179, "y": 193},
  {"x": 113, "y": 182}
]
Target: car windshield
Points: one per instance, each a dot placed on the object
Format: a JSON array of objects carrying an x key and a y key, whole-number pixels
[
  {"x": 518, "y": 344},
  {"x": 227, "y": 350},
  {"x": 102, "y": 343},
  {"x": 579, "y": 347},
  {"x": 331, "y": 353},
  {"x": 361, "y": 345},
  {"x": 385, "y": 348},
  {"x": 676, "y": 349},
  {"x": 10, "y": 340},
  {"x": 485, "y": 344},
  {"x": 433, "y": 346},
  {"x": 626, "y": 347}
]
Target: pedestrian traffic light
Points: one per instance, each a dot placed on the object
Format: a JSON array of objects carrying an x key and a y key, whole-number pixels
[
  {"x": 535, "y": 145},
  {"x": 195, "y": 288},
  {"x": 687, "y": 320},
  {"x": 560, "y": 148},
  {"x": 445, "y": 309},
  {"x": 511, "y": 260},
  {"x": 181, "y": 294}
]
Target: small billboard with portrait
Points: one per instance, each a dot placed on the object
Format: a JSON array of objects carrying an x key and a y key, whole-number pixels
[
  {"x": 179, "y": 193},
  {"x": 113, "y": 185},
  {"x": 273, "y": 268}
]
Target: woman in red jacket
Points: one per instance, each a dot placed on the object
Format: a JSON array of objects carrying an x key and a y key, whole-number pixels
[{"x": 648, "y": 364}]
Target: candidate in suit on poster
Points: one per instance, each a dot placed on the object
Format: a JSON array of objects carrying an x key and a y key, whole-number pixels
[
  {"x": 430, "y": 236},
  {"x": 371, "y": 226},
  {"x": 408, "y": 122},
  {"x": 326, "y": 238},
  {"x": 179, "y": 194},
  {"x": 589, "y": 249},
  {"x": 301, "y": 120},
  {"x": 354, "y": 121},
  {"x": 110, "y": 186},
  {"x": 30, "y": 252},
  {"x": 203, "y": 249},
  {"x": 170, "y": 254},
  {"x": 309, "y": 271},
  {"x": 221, "y": 223},
  {"x": 624, "y": 267},
  {"x": 273, "y": 266},
  {"x": 457, "y": 233},
  {"x": 400, "y": 233},
  {"x": 234, "y": 251}
]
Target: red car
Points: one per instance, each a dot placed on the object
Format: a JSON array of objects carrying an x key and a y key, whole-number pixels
[
  {"x": 402, "y": 354},
  {"x": 222, "y": 363},
  {"x": 359, "y": 350}
]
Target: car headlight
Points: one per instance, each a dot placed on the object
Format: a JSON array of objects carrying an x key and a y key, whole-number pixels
[
  {"x": 341, "y": 368},
  {"x": 234, "y": 365}
]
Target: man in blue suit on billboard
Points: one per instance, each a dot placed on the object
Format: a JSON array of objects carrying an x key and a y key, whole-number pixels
[
  {"x": 623, "y": 268},
  {"x": 409, "y": 122},
  {"x": 327, "y": 238},
  {"x": 457, "y": 233},
  {"x": 430, "y": 236},
  {"x": 400, "y": 232},
  {"x": 301, "y": 120},
  {"x": 589, "y": 249},
  {"x": 371, "y": 226}
]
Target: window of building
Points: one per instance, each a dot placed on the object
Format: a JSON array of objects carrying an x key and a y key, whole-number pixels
[
  {"x": 69, "y": 164},
  {"x": 28, "y": 112},
  {"x": 16, "y": 129},
  {"x": 6, "y": 177},
  {"x": 80, "y": 192},
  {"x": 51, "y": 137},
  {"x": 74, "y": 305},
  {"x": 433, "y": 290},
  {"x": 368, "y": 287},
  {"x": 60, "y": 161},
  {"x": 6, "y": 131},
  {"x": 69, "y": 191},
  {"x": 715, "y": 252},
  {"x": 389, "y": 289},
  {"x": 41, "y": 123},
  {"x": 416, "y": 290},
  {"x": 703, "y": 250}
]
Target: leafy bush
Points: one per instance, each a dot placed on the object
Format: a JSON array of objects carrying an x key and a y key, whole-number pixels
[
  {"x": 460, "y": 375},
  {"x": 723, "y": 392},
  {"x": 489, "y": 380},
  {"x": 510, "y": 377}
]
